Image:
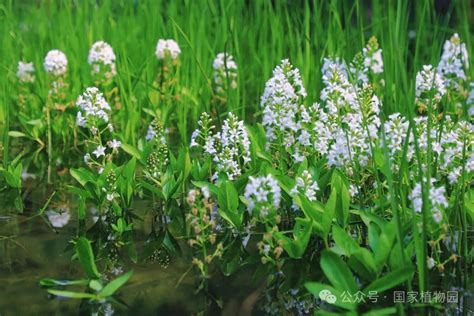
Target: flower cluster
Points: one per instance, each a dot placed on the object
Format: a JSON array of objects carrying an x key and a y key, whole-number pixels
[
  {"x": 367, "y": 65},
  {"x": 306, "y": 186},
  {"x": 229, "y": 148},
  {"x": 263, "y": 196},
  {"x": 94, "y": 109},
  {"x": 333, "y": 62},
  {"x": 102, "y": 59},
  {"x": 454, "y": 61},
  {"x": 430, "y": 88},
  {"x": 93, "y": 114},
  {"x": 204, "y": 226},
  {"x": 455, "y": 150},
  {"x": 167, "y": 47},
  {"x": 437, "y": 199},
  {"x": 285, "y": 117},
  {"x": 396, "y": 132},
  {"x": 25, "y": 72},
  {"x": 372, "y": 54},
  {"x": 55, "y": 63},
  {"x": 451, "y": 144},
  {"x": 225, "y": 74},
  {"x": 349, "y": 126},
  {"x": 158, "y": 158}
]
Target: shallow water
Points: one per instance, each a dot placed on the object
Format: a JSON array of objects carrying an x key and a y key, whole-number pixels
[{"x": 30, "y": 250}]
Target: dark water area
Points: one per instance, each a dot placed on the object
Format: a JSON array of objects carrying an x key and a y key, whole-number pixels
[{"x": 30, "y": 250}]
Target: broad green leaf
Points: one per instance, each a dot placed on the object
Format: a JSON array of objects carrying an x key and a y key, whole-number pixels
[
  {"x": 128, "y": 170},
  {"x": 82, "y": 175},
  {"x": 16, "y": 134},
  {"x": 301, "y": 232},
  {"x": 342, "y": 200},
  {"x": 337, "y": 272},
  {"x": 114, "y": 285},
  {"x": 344, "y": 241},
  {"x": 86, "y": 257},
  {"x": 330, "y": 211},
  {"x": 228, "y": 200},
  {"x": 95, "y": 285},
  {"x": 390, "y": 280},
  {"x": 212, "y": 187},
  {"x": 69, "y": 294},
  {"x": 53, "y": 282},
  {"x": 129, "y": 149},
  {"x": 362, "y": 262}
]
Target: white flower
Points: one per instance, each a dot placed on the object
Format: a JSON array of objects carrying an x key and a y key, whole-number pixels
[
  {"x": 99, "y": 151},
  {"x": 229, "y": 148},
  {"x": 55, "y": 63},
  {"x": 225, "y": 72},
  {"x": 101, "y": 55},
  {"x": 429, "y": 84},
  {"x": 262, "y": 193},
  {"x": 454, "y": 61},
  {"x": 101, "y": 52},
  {"x": 25, "y": 72},
  {"x": 151, "y": 133},
  {"x": 333, "y": 62},
  {"x": 167, "y": 47},
  {"x": 396, "y": 132},
  {"x": 110, "y": 197},
  {"x": 284, "y": 112},
  {"x": 306, "y": 185},
  {"x": 87, "y": 158},
  {"x": 94, "y": 106},
  {"x": 436, "y": 198},
  {"x": 80, "y": 120},
  {"x": 373, "y": 56},
  {"x": 114, "y": 144},
  {"x": 59, "y": 218},
  {"x": 431, "y": 263}
]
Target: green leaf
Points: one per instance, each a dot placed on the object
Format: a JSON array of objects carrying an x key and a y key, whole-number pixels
[
  {"x": 341, "y": 207},
  {"x": 69, "y": 294},
  {"x": 82, "y": 176},
  {"x": 344, "y": 241},
  {"x": 212, "y": 187},
  {"x": 390, "y": 280},
  {"x": 95, "y": 285},
  {"x": 114, "y": 285},
  {"x": 330, "y": 211},
  {"x": 86, "y": 257},
  {"x": 81, "y": 208},
  {"x": 16, "y": 134},
  {"x": 129, "y": 149},
  {"x": 53, "y": 282},
  {"x": 362, "y": 262},
  {"x": 128, "y": 170},
  {"x": 337, "y": 272},
  {"x": 228, "y": 200},
  {"x": 301, "y": 232}
]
